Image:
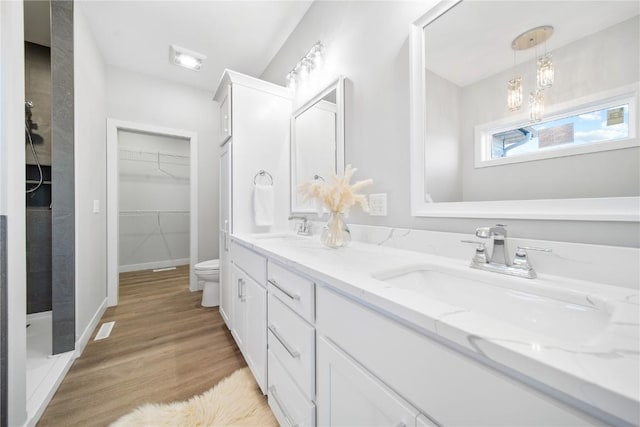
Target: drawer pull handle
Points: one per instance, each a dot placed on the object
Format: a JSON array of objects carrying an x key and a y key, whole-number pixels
[
  {"x": 293, "y": 352},
  {"x": 239, "y": 288},
  {"x": 294, "y": 297},
  {"x": 287, "y": 418}
]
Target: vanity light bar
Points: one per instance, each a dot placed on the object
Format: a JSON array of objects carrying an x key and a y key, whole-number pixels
[
  {"x": 186, "y": 58},
  {"x": 313, "y": 59}
]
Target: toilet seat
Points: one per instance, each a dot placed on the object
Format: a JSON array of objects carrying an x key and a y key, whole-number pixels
[{"x": 213, "y": 264}]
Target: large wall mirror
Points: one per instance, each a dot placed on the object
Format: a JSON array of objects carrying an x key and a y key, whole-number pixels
[
  {"x": 526, "y": 109},
  {"x": 317, "y": 141}
]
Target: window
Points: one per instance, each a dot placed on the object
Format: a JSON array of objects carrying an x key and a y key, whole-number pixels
[{"x": 589, "y": 127}]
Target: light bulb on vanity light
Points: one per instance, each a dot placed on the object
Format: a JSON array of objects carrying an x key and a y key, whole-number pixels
[
  {"x": 291, "y": 82},
  {"x": 317, "y": 55},
  {"x": 314, "y": 59},
  {"x": 304, "y": 70}
]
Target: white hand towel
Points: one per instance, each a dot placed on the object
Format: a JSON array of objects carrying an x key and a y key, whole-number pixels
[{"x": 263, "y": 204}]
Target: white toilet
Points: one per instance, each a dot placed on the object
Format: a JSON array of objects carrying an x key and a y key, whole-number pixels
[{"x": 208, "y": 273}]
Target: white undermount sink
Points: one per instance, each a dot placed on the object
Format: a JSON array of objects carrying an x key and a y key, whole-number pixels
[{"x": 554, "y": 312}]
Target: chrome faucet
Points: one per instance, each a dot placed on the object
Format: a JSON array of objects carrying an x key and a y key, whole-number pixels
[
  {"x": 499, "y": 262},
  {"x": 499, "y": 235},
  {"x": 303, "y": 228}
]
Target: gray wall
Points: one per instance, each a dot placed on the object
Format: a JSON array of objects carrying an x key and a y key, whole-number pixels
[
  {"x": 38, "y": 260},
  {"x": 62, "y": 192},
  {"x": 368, "y": 43},
  {"x": 3, "y": 321}
]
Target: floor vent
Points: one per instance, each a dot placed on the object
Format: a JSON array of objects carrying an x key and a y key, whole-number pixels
[
  {"x": 105, "y": 331},
  {"x": 156, "y": 270}
]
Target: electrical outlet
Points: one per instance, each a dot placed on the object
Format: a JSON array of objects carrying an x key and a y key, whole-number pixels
[{"x": 378, "y": 204}]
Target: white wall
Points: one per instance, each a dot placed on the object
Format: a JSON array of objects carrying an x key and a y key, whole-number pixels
[
  {"x": 368, "y": 43},
  {"x": 12, "y": 200},
  {"x": 314, "y": 148},
  {"x": 90, "y": 173},
  {"x": 148, "y": 240},
  {"x": 443, "y": 174},
  {"x": 143, "y": 99}
]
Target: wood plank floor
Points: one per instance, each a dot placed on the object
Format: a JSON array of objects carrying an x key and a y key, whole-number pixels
[{"x": 164, "y": 347}]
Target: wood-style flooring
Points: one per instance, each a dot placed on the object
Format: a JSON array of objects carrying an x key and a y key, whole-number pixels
[{"x": 164, "y": 347}]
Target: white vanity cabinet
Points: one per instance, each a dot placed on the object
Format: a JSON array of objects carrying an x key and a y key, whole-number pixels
[
  {"x": 402, "y": 365},
  {"x": 254, "y": 126},
  {"x": 249, "y": 309},
  {"x": 225, "y": 114},
  {"x": 349, "y": 395},
  {"x": 292, "y": 346}
]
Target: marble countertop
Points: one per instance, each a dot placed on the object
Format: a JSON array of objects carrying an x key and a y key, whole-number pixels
[{"x": 601, "y": 369}]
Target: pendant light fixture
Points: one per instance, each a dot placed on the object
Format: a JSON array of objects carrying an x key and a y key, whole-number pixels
[
  {"x": 545, "y": 72},
  {"x": 514, "y": 89}
]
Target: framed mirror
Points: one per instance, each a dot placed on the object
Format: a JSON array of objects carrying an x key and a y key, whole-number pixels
[
  {"x": 530, "y": 112},
  {"x": 317, "y": 141}
]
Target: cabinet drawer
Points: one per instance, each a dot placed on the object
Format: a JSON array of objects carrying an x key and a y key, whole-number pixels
[
  {"x": 295, "y": 291},
  {"x": 255, "y": 265},
  {"x": 348, "y": 395},
  {"x": 292, "y": 341},
  {"x": 289, "y": 406},
  {"x": 449, "y": 386}
]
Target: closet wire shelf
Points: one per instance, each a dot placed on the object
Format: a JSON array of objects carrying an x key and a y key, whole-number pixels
[{"x": 161, "y": 161}]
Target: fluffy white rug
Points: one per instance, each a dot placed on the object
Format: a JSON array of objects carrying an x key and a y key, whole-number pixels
[{"x": 234, "y": 401}]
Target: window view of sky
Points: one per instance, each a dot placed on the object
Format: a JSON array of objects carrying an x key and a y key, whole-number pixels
[{"x": 591, "y": 127}]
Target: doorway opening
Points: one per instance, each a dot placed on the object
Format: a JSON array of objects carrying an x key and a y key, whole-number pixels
[{"x": 151, "y": 201}]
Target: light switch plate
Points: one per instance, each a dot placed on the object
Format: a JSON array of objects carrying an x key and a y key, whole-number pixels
[
  {"x": 96, "y": 206},
  {"x": 378, "y": 204}
]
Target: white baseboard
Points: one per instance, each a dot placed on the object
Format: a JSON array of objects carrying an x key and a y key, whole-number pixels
[
  {"x": 152, "y": 265},
  {"x": 38, "y": 402},
  {"x": 81, "y": 342}
]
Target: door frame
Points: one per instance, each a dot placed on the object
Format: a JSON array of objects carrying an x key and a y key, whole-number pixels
[{"x": 113, "y": 126}]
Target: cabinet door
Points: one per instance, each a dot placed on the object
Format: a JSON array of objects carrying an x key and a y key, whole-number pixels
[
  {"x": 225, "y": 117},
  {"x": 348, "y": 395},
  {"x": 238, "y": 310},
  {"x": 226, "y": 286},
  {"x": 255, "y": 302}
]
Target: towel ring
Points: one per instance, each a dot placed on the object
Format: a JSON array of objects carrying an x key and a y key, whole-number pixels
[
  {"x": 318, "y": 177},
  {"x": 263, "y": 172}
]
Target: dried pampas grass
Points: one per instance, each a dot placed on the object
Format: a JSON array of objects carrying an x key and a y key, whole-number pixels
[{"x": 338, "y": 195}]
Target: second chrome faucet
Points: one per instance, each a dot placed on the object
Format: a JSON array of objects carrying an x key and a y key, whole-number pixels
[{"x": 498, "y": 261}]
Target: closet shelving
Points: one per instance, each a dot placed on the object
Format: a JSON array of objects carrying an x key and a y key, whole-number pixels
[
  {"x": 158, "y": 228},
  {"x": 154, "y": 235},
  {"x": 173, "y": 166}
]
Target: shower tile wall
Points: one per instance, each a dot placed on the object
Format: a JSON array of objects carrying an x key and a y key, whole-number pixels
[
  {"x": 38, "y": 260},
  {"x": 37, "y": 62},
  {"x": 63, "y": 284},
  {"x": 3, "y": 322},
  {"x": 38, "y": 91}
]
